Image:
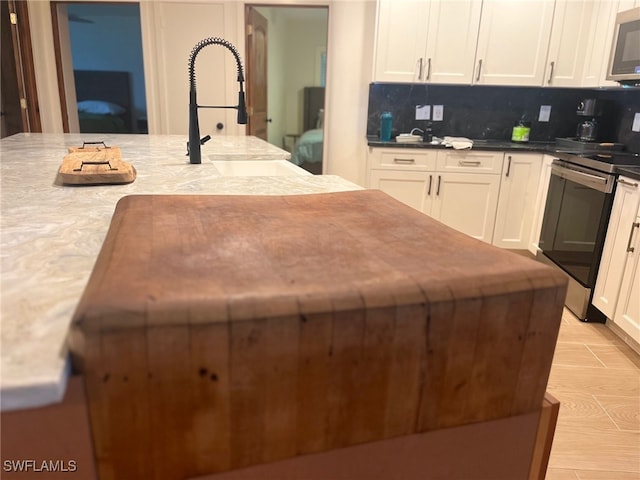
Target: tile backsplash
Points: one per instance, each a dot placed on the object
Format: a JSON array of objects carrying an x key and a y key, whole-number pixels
[{"x": 489, "y": 112}]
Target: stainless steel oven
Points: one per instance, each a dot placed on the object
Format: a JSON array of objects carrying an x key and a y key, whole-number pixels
[{"x": 575, "y": 222}]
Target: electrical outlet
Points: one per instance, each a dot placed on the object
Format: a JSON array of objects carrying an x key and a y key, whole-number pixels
[
  {"x": 636, "y": 123},
  {"x": 423, "y": 112},
  {"x": 438, "y": 113},
  {"x": 545, "y": 113}
]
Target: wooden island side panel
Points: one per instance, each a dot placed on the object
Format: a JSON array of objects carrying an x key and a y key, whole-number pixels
[{"x": 221, "y": 332}]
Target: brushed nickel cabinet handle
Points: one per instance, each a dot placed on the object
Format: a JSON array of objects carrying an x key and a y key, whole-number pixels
[
  {"x": 508, "y": 166},
  {"x": 634, "y": 225},
  {"x": 428, "y": 69},
  {"x": 553, "y": 64},
  {"x": 420, "y": 69},
  {"x": 479, "y": 70},
  {"x": 624, "y": 182},
  {"x": 469, "y": 163},
  {"x": 430, "y": 181},
  {"x": 404, "y": 160}
]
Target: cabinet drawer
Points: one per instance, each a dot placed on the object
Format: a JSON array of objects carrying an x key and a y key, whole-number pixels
[
  {"x": 469, "y": 161},
  {"x": 402, "y": 158}
]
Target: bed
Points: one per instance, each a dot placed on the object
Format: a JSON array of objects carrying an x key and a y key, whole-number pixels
[
  {"x": 307, "y": 152},
  {"x": 104, "y": 101}
]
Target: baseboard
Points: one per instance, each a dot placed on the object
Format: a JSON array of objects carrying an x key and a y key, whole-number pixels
[{"x": 624, "y": 336}]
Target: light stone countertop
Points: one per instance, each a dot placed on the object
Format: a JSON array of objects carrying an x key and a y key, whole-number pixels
[{"x": 50, "y": 236}]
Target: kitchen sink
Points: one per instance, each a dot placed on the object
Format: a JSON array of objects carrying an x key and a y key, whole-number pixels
[{"x": 257, "y": 168}]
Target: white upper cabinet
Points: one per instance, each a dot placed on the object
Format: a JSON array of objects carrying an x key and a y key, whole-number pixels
[
  {"x": 401, "y": 37},
  {"x": 426, "y": 41},
  {"x": 513, "y": 42},
  {"x": 570, "y": 36},
  {"x": 557, "y": 43},
  {"x": 451, "y": 41}
]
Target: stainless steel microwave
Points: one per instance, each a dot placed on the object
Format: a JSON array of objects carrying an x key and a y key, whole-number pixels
[{"x": 624, "y": 63}]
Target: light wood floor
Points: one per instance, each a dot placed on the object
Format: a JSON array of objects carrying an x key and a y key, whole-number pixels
[{"x": 596, "y": 378}]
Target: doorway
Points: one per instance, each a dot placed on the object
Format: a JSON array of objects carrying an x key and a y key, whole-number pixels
[
  {"x": 295, "y": 39},
  {"x": 19, "y": 111},
  {"x": 100, "y": 67}
]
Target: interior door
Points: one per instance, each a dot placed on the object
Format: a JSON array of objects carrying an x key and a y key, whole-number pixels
[
  {"x": 256, "y": 28},
  {"x": 19, "y": 100}
]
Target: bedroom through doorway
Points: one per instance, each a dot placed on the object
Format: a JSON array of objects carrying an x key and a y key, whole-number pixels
[
  {"x": 100, "y": 67},
  {"x": 286, "y": 79}
]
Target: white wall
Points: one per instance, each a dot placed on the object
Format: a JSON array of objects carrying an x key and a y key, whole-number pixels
[
  {"x": 301, "y": 66},
  {"x": 349, "y": 67}
]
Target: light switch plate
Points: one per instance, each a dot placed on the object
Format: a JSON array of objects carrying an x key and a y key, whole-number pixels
[
  {"x": 423, "y": 112},
  {"x": 438, "y": 113},
  {"x": 636, "y": 122},
  {"x": 545, "y": 113}
]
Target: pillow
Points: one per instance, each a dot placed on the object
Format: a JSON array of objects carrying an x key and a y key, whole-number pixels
[{"x": 100, "y": 107}]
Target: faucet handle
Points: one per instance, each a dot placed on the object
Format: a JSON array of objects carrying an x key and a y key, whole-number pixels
[{"x": 203, "y": 140}]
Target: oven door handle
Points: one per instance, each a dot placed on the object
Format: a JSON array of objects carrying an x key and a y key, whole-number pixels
[{"x": 601, "y": 184}]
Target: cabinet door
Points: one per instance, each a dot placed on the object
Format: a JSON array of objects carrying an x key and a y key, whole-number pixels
[
  {"x": 615, "y": 255},
  {"x": 407, "y": 187},
  {"x": 568, "y": 45},
  {"x": 540, "y": 202},
  {"x": 401, "y": 37},
  {"x": 513, "y": 42},
  {"x": 516, "y": 204},
  {"x": 627, "y": 314},
  {"x": 467, "y": 202},
  {"x": 452, "y": 39}
]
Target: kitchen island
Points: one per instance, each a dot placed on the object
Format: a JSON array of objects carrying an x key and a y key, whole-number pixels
[
  {"x": 51, "y": 235},
  {"x": 252, "y": 335}
]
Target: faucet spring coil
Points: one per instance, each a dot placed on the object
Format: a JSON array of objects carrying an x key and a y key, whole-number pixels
[{"x": 212, "y": 41}]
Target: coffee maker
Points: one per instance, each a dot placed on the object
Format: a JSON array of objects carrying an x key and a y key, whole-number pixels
[{"x": 587, "y": 130}]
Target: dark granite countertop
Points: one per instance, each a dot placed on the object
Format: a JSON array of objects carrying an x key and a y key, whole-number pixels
[
  {"x": 503, "y": 145},
  {"x": 630, "y": 171}
]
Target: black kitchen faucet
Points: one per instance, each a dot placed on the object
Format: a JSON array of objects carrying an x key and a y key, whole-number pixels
[{"x": 194, "y": 143}]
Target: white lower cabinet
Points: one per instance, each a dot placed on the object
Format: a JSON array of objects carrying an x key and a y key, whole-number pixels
[
  {"x": 516, "y": 205},
  {"x": 627, "y": 314},
  {"x": 466, "y": 202},
  {"x": 407, "y": 187},
  {"x": 617, "y": 290},
  {"x": 460, "y": 189}
]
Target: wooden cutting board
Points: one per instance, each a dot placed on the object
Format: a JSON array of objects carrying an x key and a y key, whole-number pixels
[
  {"x": 95, "y": 165},
  {"x": 218, "y": 332}
]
